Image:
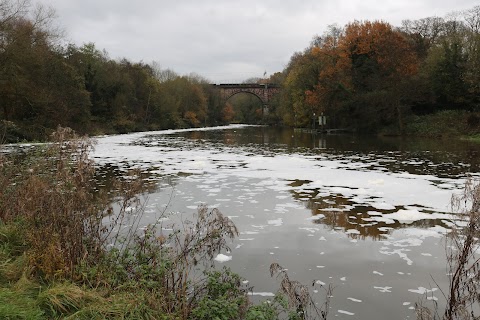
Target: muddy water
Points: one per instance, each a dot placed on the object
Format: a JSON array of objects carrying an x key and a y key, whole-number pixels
[{"x": 365, "y": 214}]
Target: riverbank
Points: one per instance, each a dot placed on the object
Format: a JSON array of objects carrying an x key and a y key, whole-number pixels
[
  {"x": 72, "y": 250},
  {"x": 445, "y": 124}
]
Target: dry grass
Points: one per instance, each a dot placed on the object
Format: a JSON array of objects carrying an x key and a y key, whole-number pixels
[{"x": 298, "y": 296}]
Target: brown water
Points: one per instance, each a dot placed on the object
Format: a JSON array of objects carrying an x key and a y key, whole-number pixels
[{"x": 366, "y": 214}]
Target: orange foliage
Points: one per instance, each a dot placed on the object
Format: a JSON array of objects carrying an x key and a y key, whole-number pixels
[
  {"x": 228, "y": 113},
  {"x": 379, "y": 41},
  {"x": 191, "y": 118}
]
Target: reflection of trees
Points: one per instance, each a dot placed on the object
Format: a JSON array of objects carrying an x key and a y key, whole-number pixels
[
  {"x": 107, "y": 177},
  {"x": 415, "y": 156},
  {"x": 339, "y": 214}
]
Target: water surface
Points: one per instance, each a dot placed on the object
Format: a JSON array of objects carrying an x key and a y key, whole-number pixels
[{"x": 366, "y": 214}]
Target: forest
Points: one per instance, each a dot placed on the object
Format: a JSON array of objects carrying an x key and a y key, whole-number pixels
[
  {"x": 376, "y": 78},
  {"x": 422, "y": 78}
]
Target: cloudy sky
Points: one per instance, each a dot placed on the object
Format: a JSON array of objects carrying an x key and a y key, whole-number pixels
[{"x": 229, "y": 40}]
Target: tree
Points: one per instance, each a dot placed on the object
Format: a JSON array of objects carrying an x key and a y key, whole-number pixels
[
  {"x": 228, "y": 113},
  {"x": 379, "y": 61},
  {"x": 39, "y": 90}
]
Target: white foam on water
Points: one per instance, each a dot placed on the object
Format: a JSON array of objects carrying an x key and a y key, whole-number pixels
[
  {"x": 222, "y": 258},
  {"x": 309, "y": 229},
  {"x": 249, "y": 232},
  {"x": 408, "y": 242},
  {"x": 382, "y": 206},
  {"x": 277, "y": 222},
  {"x": 422, "y": 290},
  {"x": 352, "y": 231},
  {"x": 413, "y": 215},
  {"x": 400, "y": 252},
  {"x": 385, "y": 229},
  {"x": 383, "y": 219},
  {"x": 389, "y": 189},
  {"x": 346, "y": 312},
  {"x": 262, "y": 294},
  {"x": 316, "y": 217}
]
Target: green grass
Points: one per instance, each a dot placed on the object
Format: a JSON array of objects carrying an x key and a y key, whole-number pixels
[
  {"x": 473, "y": 138},
  {"x": 19, "y": 305},
  {"x": 446, "y": 123}
]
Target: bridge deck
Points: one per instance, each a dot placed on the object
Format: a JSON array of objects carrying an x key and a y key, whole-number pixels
[{"x": 246, "y": 85}]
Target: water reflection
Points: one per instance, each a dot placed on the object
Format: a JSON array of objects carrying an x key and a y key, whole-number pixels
[
  {"x": 358, "y": 221},
  {"x": 108, "y": 176},
  {"x": 441, "y": 158},
  {"x": 326, "y": 207}
]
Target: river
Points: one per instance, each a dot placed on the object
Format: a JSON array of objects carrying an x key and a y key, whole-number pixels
[{"x": 365, "y": 214}]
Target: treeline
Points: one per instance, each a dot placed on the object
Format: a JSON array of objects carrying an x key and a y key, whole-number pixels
[
  {"x": 45, "y": 84},
  {"x": 371, "y": 76}
]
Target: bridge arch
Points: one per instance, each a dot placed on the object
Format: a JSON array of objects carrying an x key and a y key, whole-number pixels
[
  {"x": 232, "y": 94},
  {"x": 264, "y": 92}
]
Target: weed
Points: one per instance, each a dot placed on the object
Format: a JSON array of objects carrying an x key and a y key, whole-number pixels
[
  {"x": 299, "y": 298},
  {"x": 463, "y": 263}
]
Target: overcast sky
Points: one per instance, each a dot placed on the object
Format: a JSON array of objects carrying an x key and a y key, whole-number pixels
[{"x": 229, "y": 40}]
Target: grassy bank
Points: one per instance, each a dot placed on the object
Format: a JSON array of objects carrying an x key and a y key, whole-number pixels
[
  {"x": 445, "y": 124},
  {"x": 71, "y": 251}
]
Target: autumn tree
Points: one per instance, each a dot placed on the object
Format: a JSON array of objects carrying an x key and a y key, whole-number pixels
[
  {"x": 378, "y": 61},
  {"x": 301, "y": 75},
  {"x": 228, "y": 113}
]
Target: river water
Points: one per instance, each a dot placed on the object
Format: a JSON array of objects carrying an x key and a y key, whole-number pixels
[{"x": 365, "y": 214}]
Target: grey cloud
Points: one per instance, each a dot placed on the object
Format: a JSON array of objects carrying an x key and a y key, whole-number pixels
[{"x": 219, "y": 39}]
